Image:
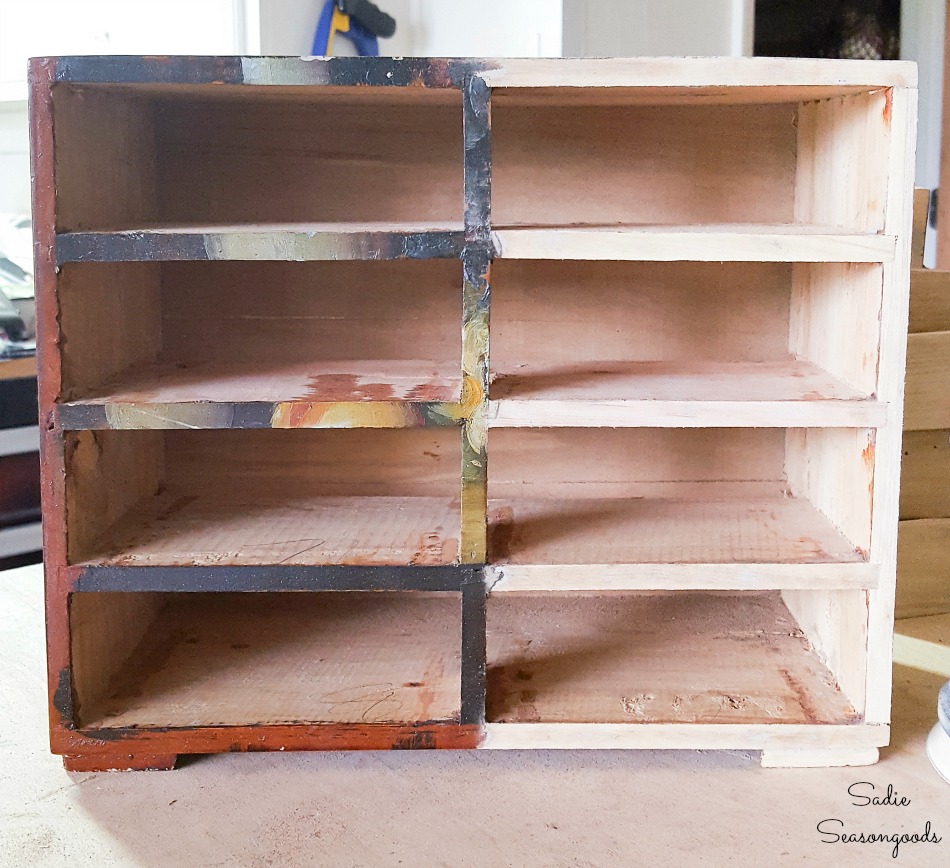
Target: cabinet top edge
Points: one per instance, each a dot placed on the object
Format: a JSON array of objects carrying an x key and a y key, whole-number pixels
[{"x": 697, "y": 72}]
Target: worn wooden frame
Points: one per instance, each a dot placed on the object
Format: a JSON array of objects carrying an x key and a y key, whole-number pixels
[{"x": 844, "y": 607}]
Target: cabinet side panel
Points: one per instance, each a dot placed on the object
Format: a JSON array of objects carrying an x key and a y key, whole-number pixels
[
  {"x": 841, "y": 177},
  {"x": 107, "y": 474},
  {"x": 835, "y": 319},
  {"x": 42, "y": 159},
  {"x": 834, "y": 469},
  {"x": 105, "y": 159},
  {"x": 890, "y": 388},
  {"x": 110, "y": 316},
  {"x": 105, "y": 630},
  {"x": 836, "y": 624}
]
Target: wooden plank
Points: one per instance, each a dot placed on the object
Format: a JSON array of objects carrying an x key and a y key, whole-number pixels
[
  {"x": 835, "y": 320},
  {"x": 278, "y": 659},
  {"x": 876, "y": 659},
  {"x": 923, "y": 567},
  {"x": 560, "y": 312},
  {"x": 218, "y": 528},
  {"x": 925, "y": 475},
  {"x": 927, "y": 396},
  {"x": 699, "y": 72},
  {"x": 799, "y": 758},
  {"x": 679, "y": 414},
  {"x": 742, "y": 158},
  {"x": 539, "y": 578},
  {"x": 733, "y": 528},
  {"x": 670, "y": 244},
  {"x": 919, "y": 233},
  {"x": 270, "y": 578},
  {"x": 220, "y": 381},
  {"x": 680, "y": 657},
  {"x": 278, "y": 243},
  {"x": 683, "y": 736},
  {"x": 929, "y": 301},
  {"x": 473, "y": 650}
]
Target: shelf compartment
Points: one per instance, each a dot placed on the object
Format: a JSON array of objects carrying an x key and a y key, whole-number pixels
[
  {"x": 263, "y": 498},
  {"x": 685, "y": 343},
  {"x": 194, "y": 660},
  {"x": 762, "y": 168},
  {"x": 258, "y": 344},
  {"x": 132, "y": 157},
  {"x": 586, "y": 509},
  {"x": 640, "y": 659}
]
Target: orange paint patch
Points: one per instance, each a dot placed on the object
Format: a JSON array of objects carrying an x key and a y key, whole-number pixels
[{"x": 888, "y": 106}]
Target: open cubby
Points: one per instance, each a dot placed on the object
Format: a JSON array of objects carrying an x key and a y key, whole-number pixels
[
  {"x": 675, "y": 657},
  {"x": 178, "y": 157},
  {"x": 612, "y": 496},
  {"x": 369, "y": 497},
  {"x": 149, "y": 332},
  {"x": 149, "y": 660},
  {"x": 683, "y": 331},
  {"x": 613, "y": 157}
]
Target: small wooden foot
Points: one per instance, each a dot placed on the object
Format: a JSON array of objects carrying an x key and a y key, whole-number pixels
[
  {"x": 114, "y": 762},
  {"x": 819, "y": 758}
]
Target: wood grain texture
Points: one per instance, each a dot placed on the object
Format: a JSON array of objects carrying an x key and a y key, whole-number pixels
[
  {"x": 773, "y": 75},
  {"x": 758, "y": 243},
  {"x": 728, "y": 526},
  {"x": 238, "y": 660},
  {"x": 655, "y": 658},
  {"x": 923, "y": 567},
  {"x": 927, "y": 394},
  {"x": 925, "y": 475},
  {"x": 682, "y": 736},
  {"x": 929, "y": 301}
]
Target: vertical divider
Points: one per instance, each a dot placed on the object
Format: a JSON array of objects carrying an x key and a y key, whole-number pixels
[
  {"x": 476, "y": 295},
  {"x": 473, "y": 649},
  {"x": 476, "y": 262}
]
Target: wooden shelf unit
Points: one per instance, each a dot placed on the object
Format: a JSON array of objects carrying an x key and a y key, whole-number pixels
[{"x": 310, "y": 484}]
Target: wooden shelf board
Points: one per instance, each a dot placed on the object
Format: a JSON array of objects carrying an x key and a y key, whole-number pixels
[
  {"x": 541, "y": 578},
  {"x": 681, "y": 657},
  {"x": 700, "y": 73},
  {"x": 783, "y": 393},
  {"x": 684, "y": 736},
  {"x": 232, "y": 660},
  {"x": 227, "y": 527},
  {"x": 276, "y": 381},
  {"x": 298, "y": 242},
  {"x": 718, "y": 523},
  {"x": 709, "y": 243}
]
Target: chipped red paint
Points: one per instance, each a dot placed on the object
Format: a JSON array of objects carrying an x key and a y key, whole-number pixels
[
  {"x": 107, "y": 745},
  {"x": 888, "y": 106}
]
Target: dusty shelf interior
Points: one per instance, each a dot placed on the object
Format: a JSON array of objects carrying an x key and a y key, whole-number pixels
[
  {"x": 299, "y": 497},
  {"x": 185, "y": 660},
  {"x": 684, "y": 163},
  {"x": 262, "y": 331},
  {"x": 683, "y": 331},
  {"x": 138, "y": 156},
  {"x": 666, "y": 495},
  {"x": 677, "y": 657}
]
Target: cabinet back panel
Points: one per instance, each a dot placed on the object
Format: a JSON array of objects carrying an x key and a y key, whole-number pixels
[
  {"x": 318, "y": 161},
  {"x": 627, "y": 461},
  {"x": 643, "y": 164},
  {"x": 545, "y": 312},
  {"x": 253, "y": 311}
]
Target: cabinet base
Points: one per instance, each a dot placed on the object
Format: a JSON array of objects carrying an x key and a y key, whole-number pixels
[
  {"x": 819, "y": 758},
  {"x": 133, "y": 762}
]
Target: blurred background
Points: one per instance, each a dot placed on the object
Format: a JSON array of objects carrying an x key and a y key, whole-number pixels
[{"x": 874, "y": 29}]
